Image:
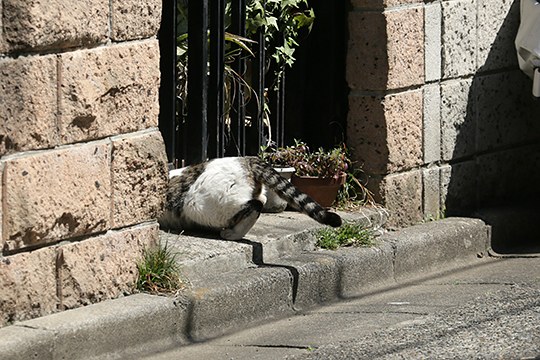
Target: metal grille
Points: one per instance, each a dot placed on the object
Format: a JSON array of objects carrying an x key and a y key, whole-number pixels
[{"x": 204, "y": 132}]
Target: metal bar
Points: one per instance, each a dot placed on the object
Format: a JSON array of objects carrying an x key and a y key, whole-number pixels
[
  {"x": 216, "y": 126},
  {"x": 280, "y": 112},
  {"x": 236, "y": 144},
  {"x": 167, "y": 89},
  {"x": 255, "y": 134},
  {"x": 197, "y": 126}
]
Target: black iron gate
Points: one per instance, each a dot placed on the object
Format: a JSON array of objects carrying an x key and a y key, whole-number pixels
[{"x": 204, "y": 133}]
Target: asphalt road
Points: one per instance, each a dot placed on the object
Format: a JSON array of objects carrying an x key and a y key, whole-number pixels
[{"x": 488, "y": 310}]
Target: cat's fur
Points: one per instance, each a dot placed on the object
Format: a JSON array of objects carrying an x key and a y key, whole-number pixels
[{"x": 228, "y": 194}]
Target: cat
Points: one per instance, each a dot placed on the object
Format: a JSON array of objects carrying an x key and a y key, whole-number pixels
[{"x": 227, "y": 195}]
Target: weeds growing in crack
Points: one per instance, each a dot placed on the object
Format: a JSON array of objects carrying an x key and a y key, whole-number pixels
[
  {"x": 347, "y": 235},
  {"x": 159, "y": 271}
]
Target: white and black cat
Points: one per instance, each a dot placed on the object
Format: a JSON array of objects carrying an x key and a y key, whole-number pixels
[{"x": 227, "y": 195}]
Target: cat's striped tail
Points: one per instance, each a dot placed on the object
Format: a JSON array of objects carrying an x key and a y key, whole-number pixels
[{"x": 288, "y": 192}]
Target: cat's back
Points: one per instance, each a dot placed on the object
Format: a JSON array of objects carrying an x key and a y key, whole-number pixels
[
  {"x": 210, "y": 193},
  {"x": 225, "y": 177}
]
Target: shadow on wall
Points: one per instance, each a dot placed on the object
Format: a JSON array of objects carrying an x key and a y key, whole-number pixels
[{"x": 495, "y": 159}]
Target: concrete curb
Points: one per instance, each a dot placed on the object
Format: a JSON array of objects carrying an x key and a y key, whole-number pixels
[{"x": 234, "y": 300}]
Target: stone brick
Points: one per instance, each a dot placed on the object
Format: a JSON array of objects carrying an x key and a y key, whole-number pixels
[
  {"x": 139, "y": 170},
  {"x": 386, "y": 50},
  {"x": 385, "y": 133},
  {"x": 432, "y": 123},
  {"x": 457, "y": 119},
  {"x": 1, "y": 206},
  {"x": 135, "y": 19},
  {"x": 458, "y": 187},
  {"x": 509, "y": 176},
  {"x": 405, "y": 29},
  {"x": 458, "y": 38},
  {"x": 56, "y": 194},
  {"x": 55, "y": 24},
  {"x": 28, "y": 98},
  {"x": 27, "y": 285},
  {"x": 432, "y": 25},
  {"x": 103, "y": 267},
  {"x": 109, "y": 91},
  {"x": 379, "y": 4},
  {"x": 432, "y": 196},
  {"x": 367, "y": 59},
  {"x": 498, "y": 23},
  {"x": 3, "y": 43},
  {"x": 401, "y": 195},
  {"x": 506, "y": 111}
]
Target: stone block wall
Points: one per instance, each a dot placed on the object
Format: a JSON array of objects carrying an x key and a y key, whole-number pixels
[
  {"x": 83, "y": 165},
  {"x": 441, "y": 117}
]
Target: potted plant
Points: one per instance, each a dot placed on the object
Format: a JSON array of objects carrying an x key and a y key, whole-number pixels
[{"x": 319, "y": 174}]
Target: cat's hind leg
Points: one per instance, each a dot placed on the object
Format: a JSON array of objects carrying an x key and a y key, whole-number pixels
[{"x": 243, "y": 221}]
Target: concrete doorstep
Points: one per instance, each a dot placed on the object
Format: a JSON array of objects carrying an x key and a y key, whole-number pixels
[{"x": 275, "y": 272}]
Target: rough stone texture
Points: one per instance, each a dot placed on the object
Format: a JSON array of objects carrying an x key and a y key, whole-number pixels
[
  {"x": 459, "y": 187},
  {"x": 318, "y": 279},
  {"x": 497, "y": 28},
  {"x": 509, "y": 176},
  {"x": 140, "y": 175},
  {"x": 364, "y": 269},
  {"x": 458, "y": 38},
  {"x": 432, "y": 196},
  {"x": 104, "y": 267},
  {"x": 55, "y": 24},
  {"x": 3, "y": 43},
  {"x": 117, "y": 329},
  {"x": 391, "y": 191},
  {"x": 425, "y": 247},
  {"x": 367, "y": 59},
  {"x": 27, "y": 285},
  {"x": 135, "y": 19},
  {"x": 370, "y": 4},
  {"x": 28, "y": 98},
  {"x": 405, "y": 29},
  {"x": 432, "y": 38},
  {"x": 398, "y": 61},
  {"x": 263, "y": 293},
  {"x": 432, "y": 123},
  {"x": 56, "y": 194},
  {"x": 109, "y": 91},
  {"x": 506, "y": 112},
  {"x": 385, "y": 133},
  {"x": 20, "y": 342},
  {"x": 1, "y": 207},
  {"x": 457, "y": 119}
]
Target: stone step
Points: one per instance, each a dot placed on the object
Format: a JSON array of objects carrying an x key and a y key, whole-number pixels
[
  {"x": 273, "y": 236},
  {"x": 127, "y": 327}
]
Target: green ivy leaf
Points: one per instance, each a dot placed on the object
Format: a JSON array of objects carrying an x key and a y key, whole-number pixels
[{"x": 272, "y": 21}]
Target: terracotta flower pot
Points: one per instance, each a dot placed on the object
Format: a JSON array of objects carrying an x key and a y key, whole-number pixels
[{"x": 322, "y": 190}]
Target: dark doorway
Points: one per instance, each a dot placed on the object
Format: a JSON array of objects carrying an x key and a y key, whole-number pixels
[{"x": 316, "y": 103}]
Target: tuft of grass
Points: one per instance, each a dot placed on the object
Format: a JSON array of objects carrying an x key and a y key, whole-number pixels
[
  {"x": 158, "y": 271},
  {"x": 346, "y": 235},
  {"x": 353, "y": 194}
]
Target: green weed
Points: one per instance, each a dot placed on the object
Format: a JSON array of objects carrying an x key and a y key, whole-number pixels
[
  {"x": 158, "y": 271},
  {"x": 346, "y": 235}
]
